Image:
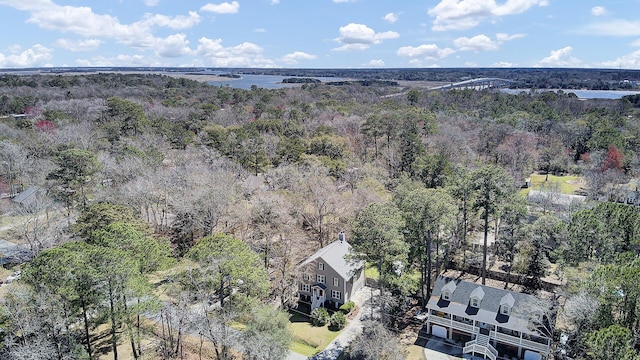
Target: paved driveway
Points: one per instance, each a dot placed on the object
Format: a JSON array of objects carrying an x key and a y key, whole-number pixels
[{"x": 353, "y": 328}]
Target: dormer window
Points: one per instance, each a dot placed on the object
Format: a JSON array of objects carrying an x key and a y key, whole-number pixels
[
  {"x": 475, "y": 302},
  {"x": 447, "y": 290},
  {"x": 476, "y": 297},
  {"x": 320, "y": 266},
  {"x": 506, "y": 304}
]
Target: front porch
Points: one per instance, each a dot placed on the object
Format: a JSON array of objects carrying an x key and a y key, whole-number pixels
[{"x": 318, "y": 295}]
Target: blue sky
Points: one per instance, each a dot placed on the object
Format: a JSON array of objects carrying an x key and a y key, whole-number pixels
[{"x": 321, "y": 33}]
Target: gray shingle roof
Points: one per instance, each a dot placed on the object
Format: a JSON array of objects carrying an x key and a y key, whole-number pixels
[
  {"x": 333, "y": 255},
  {"x": 25, "y": 197},
  {"x": 523, "y": 306}
]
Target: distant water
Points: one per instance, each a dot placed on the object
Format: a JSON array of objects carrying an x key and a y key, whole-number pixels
[
  {"x": 583, "y": 94},
  {"x": 265, "y": 81}
]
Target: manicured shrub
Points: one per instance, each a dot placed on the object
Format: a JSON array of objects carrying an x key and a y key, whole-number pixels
[
  {"x": 347, "y": 307},
  {"x": 320, "y": 317},
  {"x": 337, "y": 321}
]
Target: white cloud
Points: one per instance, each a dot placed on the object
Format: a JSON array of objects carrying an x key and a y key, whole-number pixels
[
  {"x": 151, "y": 2},
  {"x": 275, "y": 2},
  {"x": 511, "y": 7},
  {"x": 36, "y": 56},
  {"x": 82, "y": 21},
  {"x": 598, "y": 11},
  {"x": 242, "y": 55},
  {"x": 614, "y": 28},
  {"x": 629, "y": 61},
  {"x": 79, "y": 45},
  {"x": 176, "y": 22},
  {"x": 260, "y": 30},
  {"x": 560, "y": 58},
  {"x": 360, "y": 37},
  {"x": 635, "y": 43},
  {"x": 391, "y": 18},
  {"x": 173, "y": 46},
  {"x": 351, "y": 47},
  {"x": 465, "y": 14},
  {"x": 502, "y": 64},
  {"x": 223, "y": 8},
  {"x": 426, "y": 51},
  {"x": 476, "y": 43},
  {"x": 294, "y": 57},
  {"x": 502, "y": 37},
  {"x": 79, "y": 20},
  {"x": 376, "y": 63},
  {"x": 483, "y": 42},
  {"x": 28, "y": 4}
]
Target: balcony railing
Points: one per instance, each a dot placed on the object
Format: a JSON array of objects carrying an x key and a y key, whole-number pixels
[
  {"x": 452, "y": 323},
  {"x": 512, "y": 340},
  {"x": 501, "y": 337}
]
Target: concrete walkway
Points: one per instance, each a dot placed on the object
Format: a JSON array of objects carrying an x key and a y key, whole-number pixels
[
  {"x": 352, "y": 329},
  {"x": 295, "y": 356}
]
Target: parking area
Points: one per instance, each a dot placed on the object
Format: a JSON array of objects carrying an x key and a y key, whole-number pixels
[{"x": 440, "y": 349}]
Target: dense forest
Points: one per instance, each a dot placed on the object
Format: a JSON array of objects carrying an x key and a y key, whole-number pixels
[{"x": 175, "y": 209}]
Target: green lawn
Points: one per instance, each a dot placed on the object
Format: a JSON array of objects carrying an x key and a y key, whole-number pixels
[
  {"x": 566, "y": 184},
  {"x": 307, "y": 339},
  {"x": 371, "y": 272}
]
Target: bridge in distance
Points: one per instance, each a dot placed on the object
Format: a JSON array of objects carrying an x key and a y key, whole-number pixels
[{"x": 477, "y": 84}]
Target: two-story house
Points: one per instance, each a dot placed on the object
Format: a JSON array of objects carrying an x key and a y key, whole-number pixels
[
  {"x": 491, "y": 321},
  {"x": 328, "y": 278}
]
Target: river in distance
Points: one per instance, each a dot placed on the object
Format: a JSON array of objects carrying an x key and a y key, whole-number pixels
[
  {"x": 265, "y": 81},
  {"x": 275, "y": 82}
]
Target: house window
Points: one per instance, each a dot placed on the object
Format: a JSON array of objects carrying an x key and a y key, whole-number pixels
[
  {"x": 305, "y": 287},
  {"x": 307, "y": 277},
  {"x": 335, "y": 294},
  {"x": 336, "y": 282},
  {"x": 320, "y": 278},
  {"x": 320, "y": 266},
  {"x": 446, "y": 296},
  {"x": 474, "y": 302},
  {"x": 504, "y": 310}
]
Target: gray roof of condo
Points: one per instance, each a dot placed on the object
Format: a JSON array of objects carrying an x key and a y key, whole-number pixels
[{"x": 523, "y": 307}]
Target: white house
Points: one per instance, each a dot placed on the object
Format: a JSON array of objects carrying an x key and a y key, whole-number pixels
[{"x": 491, "y": 321}]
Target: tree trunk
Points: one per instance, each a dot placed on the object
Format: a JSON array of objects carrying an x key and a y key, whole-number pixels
[
  {"x": 86, "y": 325},
  {"x": 129, "y": 329},
  {"x": 423, "y": 282},
  {"x": 484, "y": 249},
  {"x": 138, "y": 329},
  {"x": 429, "y": 263},
  {"x": 375, "y": 144},
  {"x": 464, "y": 233},
  {"x": 506, "y": 284},
  {"x": 380, "y": 284},
  {"x": 165, "y": 355}
]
